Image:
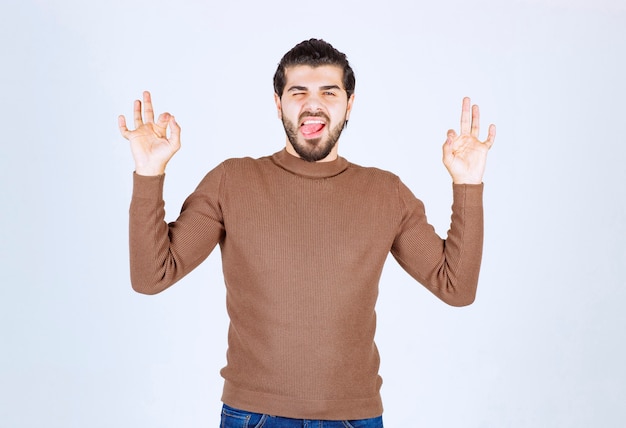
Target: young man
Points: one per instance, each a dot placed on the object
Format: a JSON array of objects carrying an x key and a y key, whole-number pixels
[{"x": 304, "y": 235}]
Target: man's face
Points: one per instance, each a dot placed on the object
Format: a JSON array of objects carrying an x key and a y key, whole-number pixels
[{"x": 313, "y": 107}]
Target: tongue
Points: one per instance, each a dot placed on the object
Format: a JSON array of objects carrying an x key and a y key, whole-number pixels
[{"x": 312, "y": 128}]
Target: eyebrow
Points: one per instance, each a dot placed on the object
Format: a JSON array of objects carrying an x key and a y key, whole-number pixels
[
  {"x": 304, "y": 88},
  {"x": 297, "y": 88}
]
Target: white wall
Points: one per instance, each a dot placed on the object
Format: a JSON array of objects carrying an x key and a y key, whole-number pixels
[{"x": 542, "y": 346}]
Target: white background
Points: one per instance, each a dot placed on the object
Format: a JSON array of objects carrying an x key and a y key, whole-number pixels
[{"x": 543, "y": 346}]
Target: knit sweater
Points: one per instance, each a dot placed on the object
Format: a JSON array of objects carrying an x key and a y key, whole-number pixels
[{"x": 303, "y": 246}]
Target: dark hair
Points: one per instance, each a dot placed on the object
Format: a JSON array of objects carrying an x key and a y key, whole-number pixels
[{"x": 314, "y": 53}]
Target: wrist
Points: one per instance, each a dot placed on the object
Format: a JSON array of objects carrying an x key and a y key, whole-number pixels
[
  {"x": 465, "y": 181},
  {"x": 149, "y": 170}
]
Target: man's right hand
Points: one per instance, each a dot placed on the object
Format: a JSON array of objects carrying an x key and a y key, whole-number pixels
[{"x": 149, "y": 143}]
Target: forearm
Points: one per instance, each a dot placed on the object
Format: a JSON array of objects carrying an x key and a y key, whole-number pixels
[
  {"x": 463, "y": 246},
  {"x": 151, "y": 266},
  {"x": 162, "y": 253},
  {"x": 447, "y": 267}
]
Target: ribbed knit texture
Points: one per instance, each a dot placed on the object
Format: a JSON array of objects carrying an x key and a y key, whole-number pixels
[{"x": 303, "y": 246}]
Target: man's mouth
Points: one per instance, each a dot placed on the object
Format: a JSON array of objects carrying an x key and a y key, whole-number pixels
[{"x": 312, "y": 128}]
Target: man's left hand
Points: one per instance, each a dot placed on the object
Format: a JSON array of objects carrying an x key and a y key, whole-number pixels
[{"x": 464, "y": 155}]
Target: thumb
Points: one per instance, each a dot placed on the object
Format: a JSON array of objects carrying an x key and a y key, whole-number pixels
[
  {"x": 163, "y": 120},
  {"x": 174, "y": 132}
]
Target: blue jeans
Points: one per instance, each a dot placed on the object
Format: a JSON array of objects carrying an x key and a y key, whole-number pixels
[{"x": 235, "y": 418}]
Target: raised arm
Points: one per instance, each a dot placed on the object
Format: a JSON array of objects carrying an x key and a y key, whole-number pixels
[
  {"x": 450, "y": 267},
  {"x": 464, "y": 155},
  {"x": 150, "y": 144},
  {"x": 162, "y": 253}
]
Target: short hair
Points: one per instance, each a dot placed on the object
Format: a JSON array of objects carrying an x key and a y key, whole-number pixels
[{"x": 314, "y": 53}]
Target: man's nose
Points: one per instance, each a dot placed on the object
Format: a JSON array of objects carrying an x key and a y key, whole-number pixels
[{"x": 313, "y": 103}]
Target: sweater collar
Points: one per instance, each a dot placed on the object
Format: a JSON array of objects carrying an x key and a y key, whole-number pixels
[{"x": 303, "y": 168}]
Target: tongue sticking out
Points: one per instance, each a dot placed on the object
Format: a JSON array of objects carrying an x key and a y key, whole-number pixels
[{"x": 311, "y": 128}]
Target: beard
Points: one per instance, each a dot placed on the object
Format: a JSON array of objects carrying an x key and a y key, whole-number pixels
[{"x": 313, "y": 150}]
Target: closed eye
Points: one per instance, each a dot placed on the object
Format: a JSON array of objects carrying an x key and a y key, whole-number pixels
[{"x": 297, "y": 90}]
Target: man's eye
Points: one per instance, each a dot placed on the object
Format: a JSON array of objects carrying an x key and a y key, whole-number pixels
[{"x": 329, "y": 93}]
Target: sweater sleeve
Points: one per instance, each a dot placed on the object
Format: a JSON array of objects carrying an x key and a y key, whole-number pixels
[
  {"x": 449, "y": 267},
  {"x": 162, "y": 253}
]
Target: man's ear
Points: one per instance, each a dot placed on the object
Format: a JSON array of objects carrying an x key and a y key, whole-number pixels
[
  {"x": 279, "y": 108},
  {"x": 349, "y": 107}
]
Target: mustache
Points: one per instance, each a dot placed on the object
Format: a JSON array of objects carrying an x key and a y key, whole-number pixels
[{"x": 313, "y": 114}]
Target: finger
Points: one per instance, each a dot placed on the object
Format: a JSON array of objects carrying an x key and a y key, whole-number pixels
[
  {"x": 466, "y": 117},
  {"x": 162, "y": 122},
  {"x": 174, "y": 133},
  {"x": 121, "y": 124},
  {"x": 137, "y": 114},
  {"x": 475, "y": 121},
  {"x": 148, "y": 111},
  {"x": 451, "y": 136},
  {"x": 491, "y": 136},
  {"x": 447, "y": 148}
]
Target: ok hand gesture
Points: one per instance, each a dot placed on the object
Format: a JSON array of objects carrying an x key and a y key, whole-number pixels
[
  {"x": 149, "y": 142},
  {"x": 465, "y": 155}
]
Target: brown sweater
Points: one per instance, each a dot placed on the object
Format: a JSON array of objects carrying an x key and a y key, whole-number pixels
[{"x": 303, "y": 246}]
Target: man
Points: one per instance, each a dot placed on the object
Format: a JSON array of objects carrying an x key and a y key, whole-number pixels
[{"x": 304, "y": 235}]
